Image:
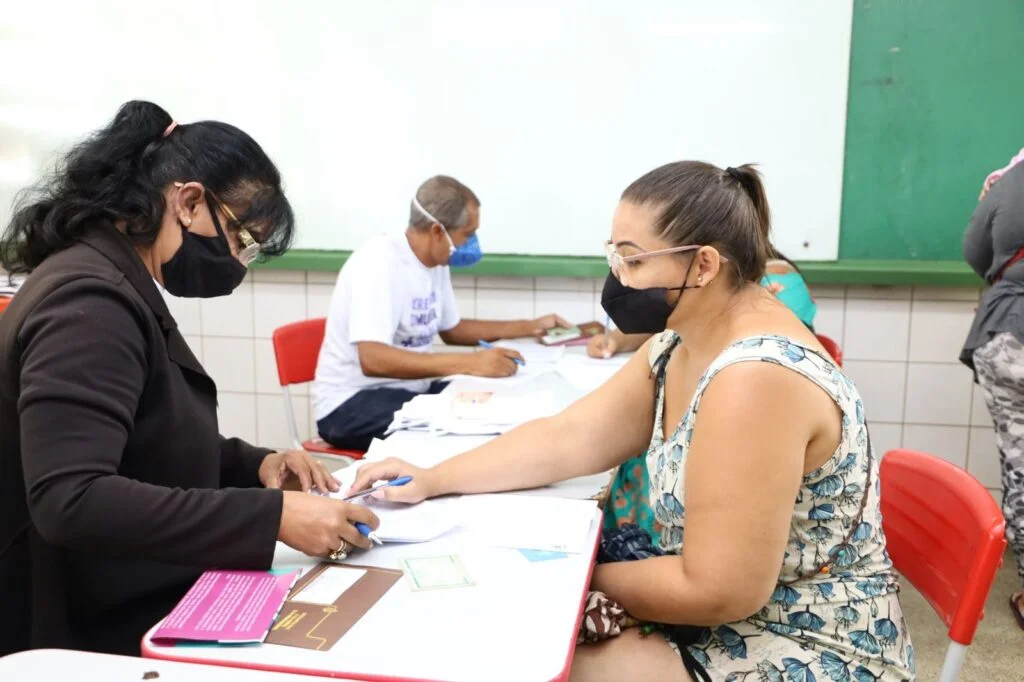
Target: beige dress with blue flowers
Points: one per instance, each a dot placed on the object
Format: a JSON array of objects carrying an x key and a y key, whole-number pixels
[{"x": 844, "y": 624}]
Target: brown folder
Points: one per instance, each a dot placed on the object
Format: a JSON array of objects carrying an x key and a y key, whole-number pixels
[{"x": 319, "y": 626}]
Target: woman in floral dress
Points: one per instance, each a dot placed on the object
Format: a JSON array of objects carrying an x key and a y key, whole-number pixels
[{"x": 762, "y": 476}]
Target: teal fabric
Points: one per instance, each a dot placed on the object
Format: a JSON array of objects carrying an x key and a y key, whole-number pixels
[
  {"x": 628, "y": 499},
  {"x": 794, "y": 294}
]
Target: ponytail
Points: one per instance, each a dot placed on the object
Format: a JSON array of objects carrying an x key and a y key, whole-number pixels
[{"x": 749, "y": 179}]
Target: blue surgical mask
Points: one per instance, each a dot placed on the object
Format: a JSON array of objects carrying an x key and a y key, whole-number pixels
[
  {"x": 458, "y": 256},
  {"x": 467, "y": 254}
]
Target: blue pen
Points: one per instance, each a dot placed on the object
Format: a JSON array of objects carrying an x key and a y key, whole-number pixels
[
  {"x": 518, "y": 361},
  {"x": 401, "y": 480},
  {"x": 365, "y": 530},
  {"x": 362, "y": 527}
]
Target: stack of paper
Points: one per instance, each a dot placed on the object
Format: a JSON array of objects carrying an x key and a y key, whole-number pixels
[{"x": 448, "y": 413}]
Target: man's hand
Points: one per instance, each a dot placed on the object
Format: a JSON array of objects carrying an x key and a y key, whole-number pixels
[
  {"x": 492, "y": 362},
  {"x": 542, "y": 324}
]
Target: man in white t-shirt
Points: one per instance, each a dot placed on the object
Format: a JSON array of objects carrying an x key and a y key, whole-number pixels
[{"x": 393, "y": 296}]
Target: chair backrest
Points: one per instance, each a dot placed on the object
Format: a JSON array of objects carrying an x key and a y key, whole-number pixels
[
  {"x": 296, "y": 348},
  {"x": 832, "y": 347},
  {"x": 944, "y": 533}
]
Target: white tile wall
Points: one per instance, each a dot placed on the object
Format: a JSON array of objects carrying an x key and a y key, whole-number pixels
[
  {"x": 886, "y": 437},
  {"x": 504, "y": 303},
  {"x": 882, "y": 386},
  {"x": 876, "y": 328},
  {"x": 574, "y": 306},
  {"x": 900, "y": 344},
  {"x": 979, "y": 412},
  {"x": 318, "y": 299},
  {"x": 831, "y": 318},
  {"x": 195, "y": 344},
  {"x": 236, "y": 415},
  {"x": 947, "y": 442},
  {"x": 229, "y": 315},
  {"x": 938, "y": 329},
  {"x": 186, "y": 313},
  {"x": 231, "y": 362},
  {"x": 983, "y": 456},
  {"x": 276, "y": 304},
  {"x": 938, "y": 394}
]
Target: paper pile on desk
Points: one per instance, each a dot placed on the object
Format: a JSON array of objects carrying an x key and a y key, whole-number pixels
[{"x": 446, "y": 413}]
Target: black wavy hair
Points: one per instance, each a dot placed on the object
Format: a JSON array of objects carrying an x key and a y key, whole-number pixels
[{"x": 120, "y": 172}]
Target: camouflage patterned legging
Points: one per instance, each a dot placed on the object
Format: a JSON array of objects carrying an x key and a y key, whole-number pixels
[{"x": 1000, "y": 367}]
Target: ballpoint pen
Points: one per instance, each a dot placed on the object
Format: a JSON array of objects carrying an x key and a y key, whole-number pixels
[
  {"x": 365, "y": 530},
  {"x": 401, "y": 480},
  {"x": 362, "y": 527},
  {"x": 518, "y": 361}
]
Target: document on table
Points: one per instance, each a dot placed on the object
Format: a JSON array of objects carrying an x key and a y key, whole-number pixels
[
  {"x": 549, "y": 524},
  {"x": 403, "y": 522},
  {"x": 446, "y": 413}
]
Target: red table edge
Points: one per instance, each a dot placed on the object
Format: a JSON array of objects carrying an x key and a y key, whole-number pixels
[{"x": 563, "y": 676}]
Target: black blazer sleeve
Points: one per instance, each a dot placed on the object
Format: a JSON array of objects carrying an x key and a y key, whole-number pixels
[
  {"x": 84, "y": 365},
  {"x": 240, "y": 463}
]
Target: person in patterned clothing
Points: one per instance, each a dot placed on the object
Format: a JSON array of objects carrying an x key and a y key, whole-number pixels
[{"x": 761, "y": 473}]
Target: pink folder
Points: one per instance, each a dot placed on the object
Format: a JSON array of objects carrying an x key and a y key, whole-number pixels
[{"x": 228, "y": 607}]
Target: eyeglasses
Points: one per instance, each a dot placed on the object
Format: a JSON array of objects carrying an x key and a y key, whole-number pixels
[
  {"x": 249, "y": 248},
  {"x": 616, "y": 261}
]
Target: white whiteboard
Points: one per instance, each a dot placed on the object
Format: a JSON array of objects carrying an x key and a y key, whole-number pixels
[{"x": 546, "y": 109}]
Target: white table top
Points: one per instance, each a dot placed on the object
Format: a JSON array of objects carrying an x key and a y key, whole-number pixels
[
  {"x": 518, "y": 623},
  {"x": 43, "y": 665}
]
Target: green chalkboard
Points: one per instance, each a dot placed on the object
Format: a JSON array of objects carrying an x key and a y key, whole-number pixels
[{"x": 936, "y": 102}]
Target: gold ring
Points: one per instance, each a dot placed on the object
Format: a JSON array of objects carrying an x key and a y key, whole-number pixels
[{"x": 341, "y": 553}]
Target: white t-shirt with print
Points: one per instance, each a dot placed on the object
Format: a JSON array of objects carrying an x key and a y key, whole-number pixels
[{"x": 383, "y": 294}]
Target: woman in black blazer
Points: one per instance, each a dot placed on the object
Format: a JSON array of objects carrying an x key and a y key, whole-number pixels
[{"x": 116, "y": 488}]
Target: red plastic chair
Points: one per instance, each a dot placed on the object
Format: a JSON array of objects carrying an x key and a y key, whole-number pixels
[
  {"x": 296, "y": 348},
  {"x": 832, "y": 347},
  {"x": 945, "y": 535}
]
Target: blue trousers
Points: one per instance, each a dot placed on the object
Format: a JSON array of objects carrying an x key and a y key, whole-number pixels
[{"x": 366, "y": 416}]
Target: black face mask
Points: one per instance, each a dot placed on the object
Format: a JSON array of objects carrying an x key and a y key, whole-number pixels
[
  {"x": 639, "y": 311},
  {"x": 635, "y": 311},
  {"x": 203, "y": 267}
]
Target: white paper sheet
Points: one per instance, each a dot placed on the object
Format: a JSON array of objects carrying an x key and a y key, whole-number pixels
[
  {"x": 527, "y": 522},
  {"x": 332, "y": 582}
]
